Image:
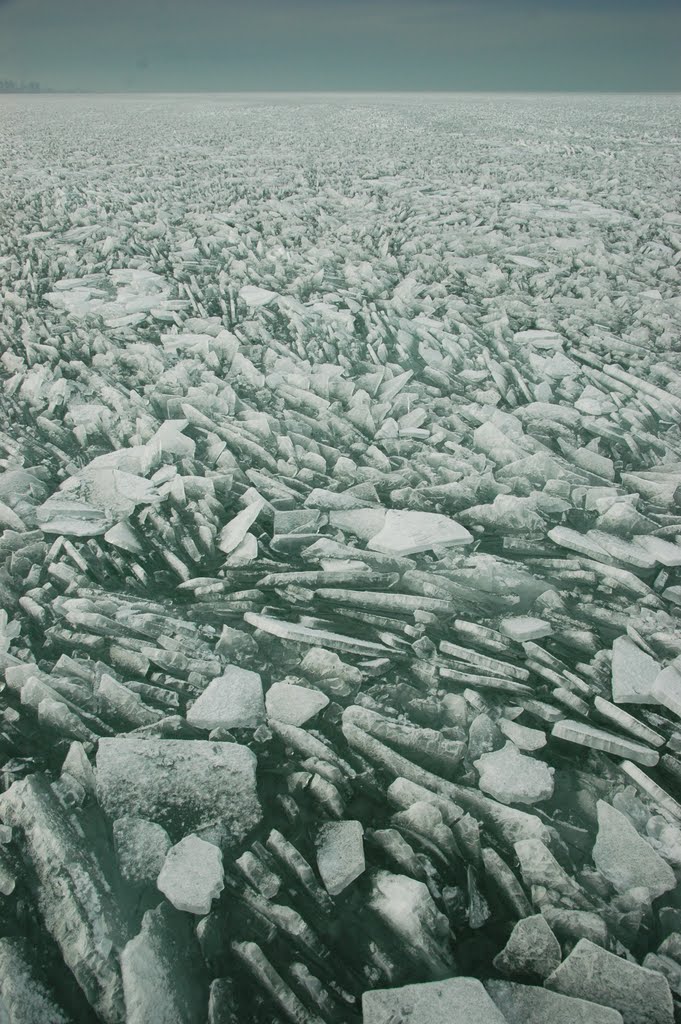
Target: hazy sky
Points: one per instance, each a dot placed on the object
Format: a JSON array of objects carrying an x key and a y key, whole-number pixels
[{"x": 475, "y": 45}]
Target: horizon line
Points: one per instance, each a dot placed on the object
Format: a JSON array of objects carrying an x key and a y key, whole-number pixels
[{"x": 342, "y": 92}]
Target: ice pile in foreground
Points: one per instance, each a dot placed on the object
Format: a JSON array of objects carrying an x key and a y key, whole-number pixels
[{"x": 340, "y": 563}]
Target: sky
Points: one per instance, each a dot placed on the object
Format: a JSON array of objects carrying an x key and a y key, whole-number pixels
[{"x": 325, "y": 45}]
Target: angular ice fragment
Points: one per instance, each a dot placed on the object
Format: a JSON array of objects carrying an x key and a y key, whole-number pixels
[
  {"x": 292, "y": 704},
  {"x": 589, "y": 972},
  {"x": 408, "y": 533},
  {"x": 531, "y": 949},
  {"x": 234, "y": 532},
  {"x": 164, "y": 977},
  {"x": 666, "y": 689},
  {"x": 406, "y": 907},
  {"x": 524, "y": 737},
  {"x": 340, "y": 854},
  {"x": 530, "y": 1004},
  {"x": 233, "y": 700},
  {"x": 525, "y": 627},
  {"x": 192, "y": 875},
  {"x": 625, "y": 858},
  {"x": 633, "y": 673},
  {"x": 543, "y": 340},
  {"x": 512, "y": 777},
  {"x": 254, "y": 296},
  {"x": 453, "y": 1001}
]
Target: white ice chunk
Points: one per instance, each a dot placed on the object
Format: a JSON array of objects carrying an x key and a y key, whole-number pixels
[
  {"x": 525, "y": 627},
  {"x": 192, "y": 875},
  {"x": 633, "y": 673},
  {"x": 408, "y": 533},
  {"x": 233, "y": 700},
  {"x": 340, "y": 854},
  {"x": 294, "y": 705}
]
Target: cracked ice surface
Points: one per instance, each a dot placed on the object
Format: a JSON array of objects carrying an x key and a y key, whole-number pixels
[{"x": 340, "y": 560}]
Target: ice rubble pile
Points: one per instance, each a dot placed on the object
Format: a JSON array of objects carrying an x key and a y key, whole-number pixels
[{"x": 340, "y": 499}]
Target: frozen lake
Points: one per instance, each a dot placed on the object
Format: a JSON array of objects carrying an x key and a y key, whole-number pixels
[{"x": 340, "y": 519}]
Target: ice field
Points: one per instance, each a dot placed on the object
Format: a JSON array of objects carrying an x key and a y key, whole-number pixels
[{"x": 340, "y": 559}]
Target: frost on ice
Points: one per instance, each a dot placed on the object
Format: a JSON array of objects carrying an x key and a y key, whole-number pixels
[{"x": 340, "y": 561}]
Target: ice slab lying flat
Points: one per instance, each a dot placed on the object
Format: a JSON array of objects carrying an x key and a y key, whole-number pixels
[
  {"x": 589, "y": 972},
  {"x": 633, "y": 673},
  {"x": 233, "y": 700},
  {"x": 163, "y": 971},
  {"x": 408, "y": 533},
  {"x": 625, "y": 858},
  {"x": 340, "y": 854},
  {"x": 530, "y": 1004},
  {"x": 293, "y": 704},
  {"x": 183, "y": 785},
  {"x": 514, "y": 778},
  {"x": 192, "y": 875},
  {"x": 454, "y": 1001}
]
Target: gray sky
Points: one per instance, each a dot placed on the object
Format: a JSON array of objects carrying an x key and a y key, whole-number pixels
[{"x": 178, "y": 45}]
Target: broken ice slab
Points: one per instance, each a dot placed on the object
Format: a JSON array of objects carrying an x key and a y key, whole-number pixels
[
  {"x": 269, "y": 980},
  {"x": 73, "y": 518},
  {"x": 625, "y": 858},
  {"x": 25, "y": 998},
  {"x": 536, "y": 338},
  {"x": 315, "y": 637},
  {"x": 668, "y": 806},
  {"x": 74, "y": 898},
  {"x": 164, "y": 976},
  {"x": 525, "y": 627},
  {"x": 530, "y": 1004},
  {"x": 407, "y": 909},
  {"x": 513, "y": 778},
  {"x": 663, "y": 551},
  {"x": 493, "y": 665},
  {"x": 233, "y": 534},
  {"x": 453, "y": 1001},
  {"x": 532, "y": 949},
  {"x": 633, "y": 673},
  {"x": 598, "y": 739},
  {"x": 390, "y": 603},
  {"x": 547, "y": 879},
  {"x": 192, "y": 875},
  {"x": 340, "y": 854},
  {"x": 589, "y": 972},
  {"x": 233, "y": 700},
  {"x": 523, "y": 736},
  {"x": 294, "y": 705},
  {"x": 666, "y": 689},
  {"x": 583, "y": 545},
  {"x": 184, "y": 785},
  {"x": 408, "y": 533},
  {"x": 623, "y": 720}
]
